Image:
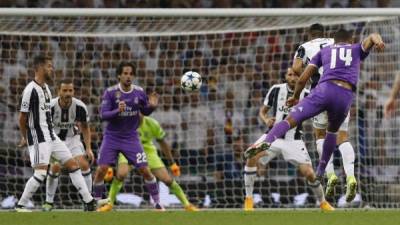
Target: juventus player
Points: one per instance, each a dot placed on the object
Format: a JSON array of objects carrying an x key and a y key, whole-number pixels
[
  {"x": 303, "y": 55},
  {"x": 37, "y": 132},
  {"x": 69, "y": 114},
  {"x": 291, "y": 146}
]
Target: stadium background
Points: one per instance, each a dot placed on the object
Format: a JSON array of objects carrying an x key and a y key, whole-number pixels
[{"x": 217, "y": 123}]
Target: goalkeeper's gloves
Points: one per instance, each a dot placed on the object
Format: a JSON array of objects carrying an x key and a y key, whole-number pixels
[{"x": 175, "y": 170}]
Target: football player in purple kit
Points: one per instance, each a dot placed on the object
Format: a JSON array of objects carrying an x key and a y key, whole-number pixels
[
  {"x": 334, "y": 92},
  {"x": 120, "y": 107}
]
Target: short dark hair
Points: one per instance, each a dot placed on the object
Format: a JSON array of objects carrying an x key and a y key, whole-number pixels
[
  {"x": 40, "y": 60},
  {"x": 342, "y": 35},
  {"x": 64, "y": 81},
  {"x": 316, "y": 27},
  {"x": 125, "y": 64}
]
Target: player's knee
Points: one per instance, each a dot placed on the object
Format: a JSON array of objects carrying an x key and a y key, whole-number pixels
[
  {"x": 101, "y": 171},
  {"x": 292, "y": 122},
  {"x": 39, "y": 175},
  {"x": 122, "y": 173},
  {"x": 71, "y": 164},
  {"x": 83, "y": 164},
  {"x": 55, "y": 168},
  {"x": 307, "y": 172},
  {"x": 342, "y": 137},
  {"x": 319, "y": 133},
  {"x": 145, "y": 172}
]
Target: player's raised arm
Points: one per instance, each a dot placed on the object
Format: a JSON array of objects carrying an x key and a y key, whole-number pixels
[
  {"x": 107, "y": 112},
  {"x": 149, "y": 104},
  {"x": 390, "y": 103},
  {"x": 301, "y": 83},
  {"x": 298, "y": 60},
  {"x": 372, "y": 40}
]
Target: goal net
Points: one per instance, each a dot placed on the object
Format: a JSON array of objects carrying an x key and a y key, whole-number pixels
[{"x": 239, "y": 59}]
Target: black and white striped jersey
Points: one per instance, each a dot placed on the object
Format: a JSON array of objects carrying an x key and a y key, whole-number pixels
[
  {"x": 65, "y": 119},
  {"x": 308, "y": 50},
  {"x": 36, "y": 102},
  {"x": 276, "y": 101}
]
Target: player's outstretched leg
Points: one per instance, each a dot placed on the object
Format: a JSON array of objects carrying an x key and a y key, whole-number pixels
[
  {"x": 79, "y": 182},
  {"x": 31, "y": 187},
  {"x": 330, "y": 171},
  {"x": 51, "y": 186},
  {"x": 307, "y": 171},
  {"x": 163, "y": 175}
]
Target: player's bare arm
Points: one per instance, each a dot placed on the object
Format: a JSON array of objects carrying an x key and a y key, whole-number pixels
[
  {"x": 23, "y": 121},
  {"x": 301, "y": 83},
  {"x": 167, "y": 152},
  {"x": 297, "y": 66},
  {"x": 373, "y": 40},
  {"x": 85, "y": 129},
  {"x": 269, "y": 121},
  {"x": 390, "y": 103}
]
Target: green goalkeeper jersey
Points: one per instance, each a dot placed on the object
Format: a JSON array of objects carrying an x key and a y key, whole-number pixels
[{"x": 149, "y": 130}]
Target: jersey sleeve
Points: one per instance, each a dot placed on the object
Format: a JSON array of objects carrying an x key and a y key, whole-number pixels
[
  {"x": 316, "y": 60},
  {"x": 156, "y": 129},
  {"x": 363, "y": 52},
  {"x": 107, "y": 112},
  {"x": 300, "y": 53},
  {"x": 26, "y": 99},
  {"x": 269, "y": 98},
  {"x": 82, "y": 114}
]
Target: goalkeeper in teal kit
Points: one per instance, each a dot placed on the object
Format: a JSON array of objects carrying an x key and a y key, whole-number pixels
[{"x": 149, "y": 130}]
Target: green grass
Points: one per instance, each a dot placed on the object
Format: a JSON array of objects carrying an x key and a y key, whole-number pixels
[{"x": 275, "y": 217}]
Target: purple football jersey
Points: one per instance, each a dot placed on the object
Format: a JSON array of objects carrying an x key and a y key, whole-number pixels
[
  {"x": 340, "y": 62},
  {"x": 124, "y": 124}
]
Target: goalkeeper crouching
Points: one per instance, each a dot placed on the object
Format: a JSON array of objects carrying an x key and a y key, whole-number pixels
[{"x": 149, "y": 130}]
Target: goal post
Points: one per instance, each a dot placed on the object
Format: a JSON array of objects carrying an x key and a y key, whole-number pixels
[{"x": 240, "y": 53}]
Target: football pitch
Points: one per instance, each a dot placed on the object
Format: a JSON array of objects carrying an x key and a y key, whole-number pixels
[{"x": 275, "y": 217}]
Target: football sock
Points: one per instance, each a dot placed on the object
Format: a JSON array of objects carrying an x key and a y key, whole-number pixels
[
  {"x": 328, "y": 148},
  {"x": 277, "y": 131},
  {"x": 249, "y": 178},
  {"x": 31, "y": 186},
  {"x": 318, "y": 191},
  {"x": 115, "y": 188},
  {"x": 348, "y": 157},
  {"x": 98, "y": 190},
  {"x": 51, "y": 186},
  {"x": 80, "y": 185},
  {"x": 152, "y": 188},
  {"x": 87, "y": 175},
  {"x": 329, "y": 167},
  {"x": 178, "y": 192}
]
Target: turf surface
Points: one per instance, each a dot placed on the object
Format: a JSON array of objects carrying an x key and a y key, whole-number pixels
[{"x": 276, "y": 217}]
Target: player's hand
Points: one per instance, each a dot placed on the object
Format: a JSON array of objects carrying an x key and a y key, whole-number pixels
[
  {"x": 270, "y": 122},
  {"x": 292, "y": 101},
  {"x": 389, "y": 108},
  {"x": 90, "y": 155},
  {"x": 153, "y": 99},
  {"x": 121, "y": 106},
  {"x": 175, "y": 170},
  {"x": 22, "y": 143},
  {"x": 380, "y": 46}
]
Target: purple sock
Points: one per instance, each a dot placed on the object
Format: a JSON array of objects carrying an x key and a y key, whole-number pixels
[
  {"x": 98, "y": 190},
  {"x": 277, "y": 131},
  {"x": 327, "y": 150},
  {"x": 152, "y": 188}
]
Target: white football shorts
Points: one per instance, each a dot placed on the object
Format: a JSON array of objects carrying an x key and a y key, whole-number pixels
[
  {"x": 293, "y": 151},
  {"x": 320, "y": 121},
  {"x": 40, "y": 154}
]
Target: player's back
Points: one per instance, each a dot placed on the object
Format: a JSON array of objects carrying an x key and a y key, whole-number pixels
[
  {"x": 36, "y": 102},
  {"x": 340, "y": 62}
]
